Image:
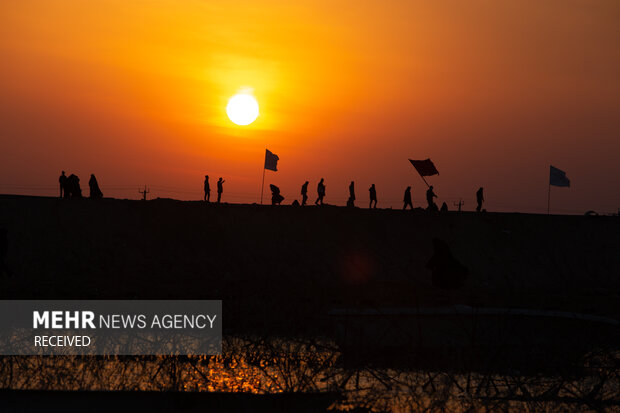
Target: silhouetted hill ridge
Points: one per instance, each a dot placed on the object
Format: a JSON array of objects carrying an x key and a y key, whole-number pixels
[{"x": 303, "y": 259}]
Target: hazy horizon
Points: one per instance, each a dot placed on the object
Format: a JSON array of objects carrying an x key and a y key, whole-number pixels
[{"x": 135, "y": 92}]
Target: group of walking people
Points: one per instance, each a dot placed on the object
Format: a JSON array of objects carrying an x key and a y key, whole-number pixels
[
  {"x": 70, "y": 186},
  {"x": 407, "y": 199}
]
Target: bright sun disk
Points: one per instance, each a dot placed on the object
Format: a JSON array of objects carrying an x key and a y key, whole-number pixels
[{"x": 242, "y": 109}]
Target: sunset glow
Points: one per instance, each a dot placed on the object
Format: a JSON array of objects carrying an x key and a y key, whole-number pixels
[
  {"x": 327, "y": 206},
  {"x": 347, "y": 91}
]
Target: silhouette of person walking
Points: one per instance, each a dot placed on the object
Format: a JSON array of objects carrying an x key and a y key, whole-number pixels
[
  {"x": 320, "y": 189},
  {"x": 276, "y": 198},
  {"x": 207, "y": 189},
  {"x": 479, "y": 199},
  {"x": 62, "y": 180},
  {"x": 407, "y": 199},
  {"x": 72, "y": 187},
  {"x": 351, "y": 201},
  {"x": 220, "y": 189},
  {"x": 429, "y": 199},
  {"x": 95, "y": 192},
  {"x": 373, "y": 196},
  {"x": 304, "y": 193}
]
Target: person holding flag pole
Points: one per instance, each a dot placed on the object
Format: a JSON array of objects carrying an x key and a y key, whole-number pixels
[
  {"x": 426, "y": 168},
  {"x": 557, "y": 177},
  {"x": 271, "y": 163}
]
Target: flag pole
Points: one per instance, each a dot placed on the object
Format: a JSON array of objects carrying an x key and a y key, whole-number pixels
[
  {"x": 425, "y": 181},
  {"x": 262, "y": 187},
  {"x": 549, "y": 195}
]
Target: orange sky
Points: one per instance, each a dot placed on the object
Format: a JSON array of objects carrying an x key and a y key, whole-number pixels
[{"x": 493, "y": 92}]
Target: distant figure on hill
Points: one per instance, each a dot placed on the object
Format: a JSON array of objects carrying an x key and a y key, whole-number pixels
[
  {"x": 276, "y": 198},
  {"x": 62, "y": 180},
  {"x": 220, "y": 189},
  {"x": 448, "y": 273},
  {"x": 373, "y": 196},
  {"x": 407, "y": 199},
  {"x": 429, "y": 199},
  {"x": 444, "y": 207},
  {"x": 95, "y": 192},
  {"x": 479, "y": 199},
  {"x": 72, "y": 187},
  {"x": 207, "y": 189},
  {"x": 4, "y": 249},
  {"x": 304, "y": 193},
  {"x": 351, "y": 201},
  {"x": 320, "y": 189}
]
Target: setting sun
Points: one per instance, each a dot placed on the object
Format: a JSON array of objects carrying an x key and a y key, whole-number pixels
[{"x": 242, "y": 109}]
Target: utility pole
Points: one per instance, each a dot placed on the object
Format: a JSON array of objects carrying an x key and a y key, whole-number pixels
[
  {"x": 146, "y": 191},
  {"x": 459, "y": 204}
]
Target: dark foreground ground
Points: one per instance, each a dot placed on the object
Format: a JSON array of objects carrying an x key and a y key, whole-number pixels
[
  {"x": 275, "y": 265},
  {"x": 104, "y": 402},
  {"x": 325, "y": 302}
]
